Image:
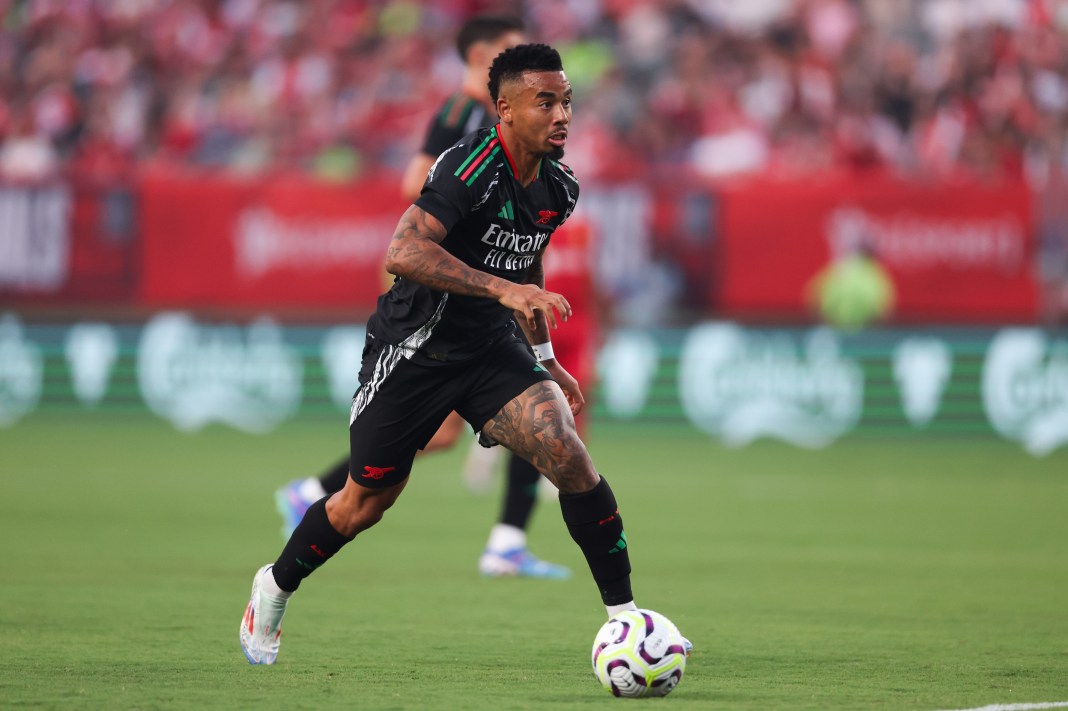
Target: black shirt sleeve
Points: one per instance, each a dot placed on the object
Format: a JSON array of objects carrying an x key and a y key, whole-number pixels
[
  {"x": 438, "y": 205},
  {"x": 445, "y": 195},
  {"x": 449, "y": 124}
]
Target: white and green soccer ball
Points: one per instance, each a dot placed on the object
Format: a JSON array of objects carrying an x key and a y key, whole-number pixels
[{"x": 639, "y": 653}]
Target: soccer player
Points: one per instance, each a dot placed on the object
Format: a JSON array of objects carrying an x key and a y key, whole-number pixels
[
  {"x": 468, "y": 257},
  {"x": 479, "y": 40}
]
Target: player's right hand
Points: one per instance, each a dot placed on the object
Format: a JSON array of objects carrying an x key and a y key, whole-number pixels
[{"x": 528, "y": 299}]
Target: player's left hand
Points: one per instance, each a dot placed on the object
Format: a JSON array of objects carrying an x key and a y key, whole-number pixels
[{"x": 568, "y": 384}]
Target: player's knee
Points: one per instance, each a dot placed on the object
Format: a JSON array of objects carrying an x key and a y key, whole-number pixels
[
  {"x": 574, "y": 468},
  {"x": 578, "y": 481},
  {"x": 349, "y": 520},
  {"x": 355, "y": 509}
]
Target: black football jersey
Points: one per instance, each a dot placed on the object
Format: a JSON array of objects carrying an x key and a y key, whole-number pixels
[
  {"x": 494, "y": 224},
  {"x": 457, "y": 117}
]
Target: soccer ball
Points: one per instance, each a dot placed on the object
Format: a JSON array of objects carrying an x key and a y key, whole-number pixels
[{"x": 639, "y": 653}]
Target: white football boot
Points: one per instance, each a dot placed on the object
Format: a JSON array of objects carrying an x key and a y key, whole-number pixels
[{"x": 261, "y": 628}]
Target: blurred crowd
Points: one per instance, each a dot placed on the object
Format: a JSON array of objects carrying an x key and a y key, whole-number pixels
[{"x": 343, "y": 88}]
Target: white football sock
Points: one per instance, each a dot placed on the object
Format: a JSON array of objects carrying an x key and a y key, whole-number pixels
[
  {"x": 504, "y": 538},
  {"x": 614, "y": 609},
  {"x": 270, "y": 586}
]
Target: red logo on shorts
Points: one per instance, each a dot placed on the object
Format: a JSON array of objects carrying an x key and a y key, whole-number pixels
[
  {"x": 377, "y": 472},
  {"x": 545, "y": 216}
]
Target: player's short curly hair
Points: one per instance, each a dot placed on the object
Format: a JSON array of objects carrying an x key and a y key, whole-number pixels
[{"x": 512, "y": 63}]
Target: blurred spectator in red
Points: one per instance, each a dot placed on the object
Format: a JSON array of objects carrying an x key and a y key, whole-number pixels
[
  {"x": 26, "y": 155},
  {"x": 336, "y": 88}
]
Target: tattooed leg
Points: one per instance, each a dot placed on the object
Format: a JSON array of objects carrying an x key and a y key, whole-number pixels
[{"x": 538, "y": 426}]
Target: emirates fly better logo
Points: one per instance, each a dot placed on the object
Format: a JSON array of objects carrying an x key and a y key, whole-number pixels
[{"x": 511, "y": 250}]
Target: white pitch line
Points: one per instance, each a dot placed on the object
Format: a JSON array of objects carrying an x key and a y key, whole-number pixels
[{"x": 1020, "y": 707}]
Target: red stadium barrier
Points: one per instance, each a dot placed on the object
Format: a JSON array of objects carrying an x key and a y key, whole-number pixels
[
  {"x": 284, "y": 243},
  {"x": 68, "y": 242},
  {"x": 956, "y": 253}
]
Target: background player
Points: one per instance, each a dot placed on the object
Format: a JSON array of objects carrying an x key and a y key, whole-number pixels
[{"x": 479, "y": 40}]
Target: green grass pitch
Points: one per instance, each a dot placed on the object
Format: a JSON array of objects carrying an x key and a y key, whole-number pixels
[{"x": 877, "y": 574}]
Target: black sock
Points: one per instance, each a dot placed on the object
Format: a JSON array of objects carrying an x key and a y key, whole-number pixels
[
  {"x": 313, "y": 543},
  {"x": 593, "y": 521},
  {"x": 521, "y": 494},
  {"x": 334, "y": 479}
]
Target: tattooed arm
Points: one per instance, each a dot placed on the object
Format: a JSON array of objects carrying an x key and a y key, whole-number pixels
[{"x": 415, "y": 253}]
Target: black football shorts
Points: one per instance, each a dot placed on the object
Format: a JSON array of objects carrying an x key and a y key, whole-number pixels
[{"x": 401, "y": 403}]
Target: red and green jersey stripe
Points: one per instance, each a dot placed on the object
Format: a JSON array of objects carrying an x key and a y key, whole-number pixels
[
  {"x": 479, "y": 159},
  {"x": 565, "y": 170},
  {"x": 456, "y": 111}
]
